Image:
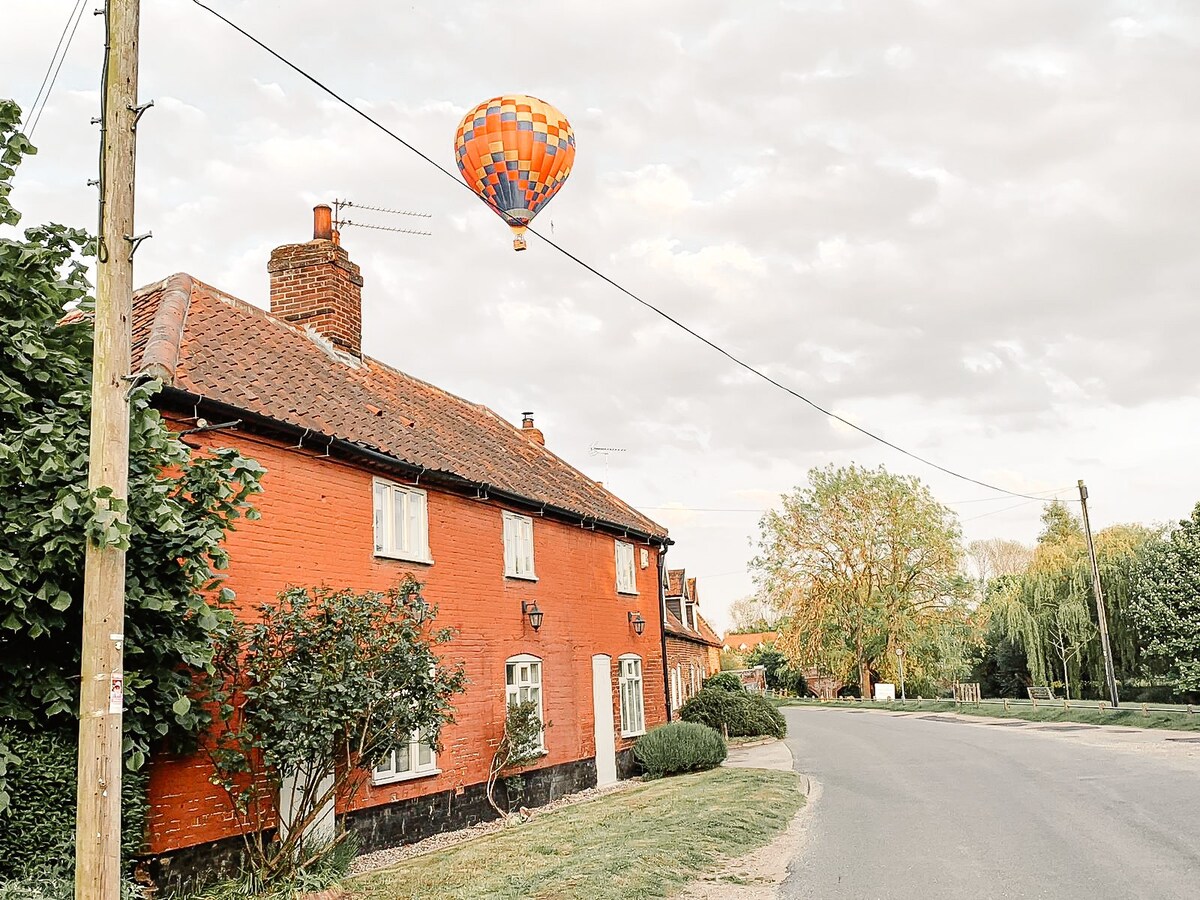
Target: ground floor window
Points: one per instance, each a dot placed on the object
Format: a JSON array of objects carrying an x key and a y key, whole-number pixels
[
  {"x": 523, "y": 682},
  {"x": 409, "y": 760},
  {"x": 633, "y": 718},
  {"x": 676, "y": 688}
]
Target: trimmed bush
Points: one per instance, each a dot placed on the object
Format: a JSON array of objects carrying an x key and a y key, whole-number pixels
[
  {"x": 740, "y": 714},
  {"x": 679, "y": 747},
  {"x": 724, "y": 681}
]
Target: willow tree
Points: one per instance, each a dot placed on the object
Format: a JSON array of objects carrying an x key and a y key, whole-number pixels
[
  {"x": 1050, "y": 609},
  {"x": 864, "y": 563}
]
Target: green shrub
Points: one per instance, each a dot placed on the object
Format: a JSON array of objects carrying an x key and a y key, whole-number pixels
[
  {"x": 679, "y": 747},
  {"x": 724, "y": 681},
  {"x": 740, "y": 714},
  {"x": 37, "y": 831}
]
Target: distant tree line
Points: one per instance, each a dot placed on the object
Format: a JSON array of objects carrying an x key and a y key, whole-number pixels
[{"x": 859, "y": 563}]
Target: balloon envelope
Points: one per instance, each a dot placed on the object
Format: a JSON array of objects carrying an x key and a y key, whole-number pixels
[{"x": 515, "y": 152}]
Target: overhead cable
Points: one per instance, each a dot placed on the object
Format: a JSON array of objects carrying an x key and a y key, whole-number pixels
[{"x": 34, "y": 115}]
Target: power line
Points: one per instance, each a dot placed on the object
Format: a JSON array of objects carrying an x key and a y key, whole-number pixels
[
  {"x": 647, "y": 304},
  {"x": 750, "y": 509},
  {"x": 32, "y": 117}
]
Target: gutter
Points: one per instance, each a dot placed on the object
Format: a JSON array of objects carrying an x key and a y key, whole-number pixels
[
  {"x": 448, "y": 480},
  {"x": 662, "y": 630}
]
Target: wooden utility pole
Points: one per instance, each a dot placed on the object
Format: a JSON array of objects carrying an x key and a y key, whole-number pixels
[
  {"x": 98, "y": 818},
  {"x": 1101, "y": 615}
]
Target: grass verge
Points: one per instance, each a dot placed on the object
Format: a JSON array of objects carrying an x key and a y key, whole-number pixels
[
  {"x": 1131, "y": 715},
  {"x": 647, "y": 841}
]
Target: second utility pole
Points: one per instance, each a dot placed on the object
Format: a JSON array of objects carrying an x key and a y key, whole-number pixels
[
  {"x": 101, "y": 698},
  {"x": 1101, "y": 616}
]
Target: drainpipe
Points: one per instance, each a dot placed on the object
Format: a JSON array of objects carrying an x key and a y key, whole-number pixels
[{"x": 662, "y": 630}]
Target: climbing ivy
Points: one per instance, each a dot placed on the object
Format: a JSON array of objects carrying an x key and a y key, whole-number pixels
[{"x": 179, "y": 510}]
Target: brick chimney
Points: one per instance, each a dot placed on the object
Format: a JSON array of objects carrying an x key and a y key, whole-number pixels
[
  {"x": 316, "y": 285},
  {"x": 527, "y": 429}
]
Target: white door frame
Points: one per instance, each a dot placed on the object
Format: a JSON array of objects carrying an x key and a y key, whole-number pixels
[{"x": 602, "y": 715}]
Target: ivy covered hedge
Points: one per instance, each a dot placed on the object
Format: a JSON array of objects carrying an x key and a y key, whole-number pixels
[{"x": 37, "y": 831}]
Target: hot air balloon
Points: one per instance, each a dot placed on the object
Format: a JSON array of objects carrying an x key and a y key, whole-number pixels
[{"x": 515, "y": 152}]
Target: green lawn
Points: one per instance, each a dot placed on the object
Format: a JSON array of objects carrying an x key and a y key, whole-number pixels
[
  {"x": 1045, "y": 712},
  {"x": 647, "y": 841}
]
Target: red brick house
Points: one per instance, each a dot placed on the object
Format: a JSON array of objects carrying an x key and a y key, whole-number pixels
[
  {"x": 693, "y": 650},
  {"x": 372, "y": 474}
]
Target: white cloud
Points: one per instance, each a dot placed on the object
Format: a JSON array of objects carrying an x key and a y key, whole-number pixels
[{"x": 969, "y": 227}]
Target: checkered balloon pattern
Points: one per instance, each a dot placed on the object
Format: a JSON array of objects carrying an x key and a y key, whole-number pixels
[{"x": 515, "y": 152}]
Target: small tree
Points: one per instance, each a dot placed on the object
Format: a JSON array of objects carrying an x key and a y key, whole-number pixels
[
  {"x": 774, "y": 664},
  {"x": 520, "y": 745},
  {"x": 316, "y": 694}
]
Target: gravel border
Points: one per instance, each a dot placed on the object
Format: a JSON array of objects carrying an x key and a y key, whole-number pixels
[{"x": 390, "y": 856}]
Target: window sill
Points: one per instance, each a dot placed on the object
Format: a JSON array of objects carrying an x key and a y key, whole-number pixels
[
  {"x": 627, "y": 593},
  {"x": 419, "y": 560},
  {"x": 633, "y": 734},
  {"x": 520, "y": 577},
  {"x": 407, "y": 776}
]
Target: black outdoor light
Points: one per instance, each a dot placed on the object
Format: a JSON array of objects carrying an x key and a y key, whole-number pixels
[
  {"x": 639, "y": 624},
  {"x": 530, "y": 608}
]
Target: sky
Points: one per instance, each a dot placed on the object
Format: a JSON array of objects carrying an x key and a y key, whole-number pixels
[{"x": 968, "y": 227}]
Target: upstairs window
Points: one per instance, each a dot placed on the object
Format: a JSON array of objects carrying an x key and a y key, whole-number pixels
[
  {"x": 633, "y": 717},
  {"x": 410, "y": 760},
  {"x": 523, "y": 681},
  {"x": 626, "y": 578},
  {"x": 401, "y": 522},
  {"x": 518, "y": 546}
]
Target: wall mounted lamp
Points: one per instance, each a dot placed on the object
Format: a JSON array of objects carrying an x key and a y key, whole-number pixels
[
  {"x": 639, "y": 624},
  {"x": 530, "y": 608}
]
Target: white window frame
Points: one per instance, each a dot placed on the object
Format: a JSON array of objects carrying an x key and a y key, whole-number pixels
[
  {"x": 411, "y": 547},
  {"x": 518, "y": 546},
  {"x": 626, "y": 568},
  {"x": 676, "y": 687},
  {"x": 388, "y": 771},
  {"x": 513, "y": 685},
  {"x": 632, "y": 694}
]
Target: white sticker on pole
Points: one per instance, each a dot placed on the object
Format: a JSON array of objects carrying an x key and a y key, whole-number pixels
[{"x": 116, "y": 692}]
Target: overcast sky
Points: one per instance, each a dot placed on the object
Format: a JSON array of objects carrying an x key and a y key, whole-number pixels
[{"x": 970, "y": 227}]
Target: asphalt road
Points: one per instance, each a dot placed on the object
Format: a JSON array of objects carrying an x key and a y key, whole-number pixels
[{"x": 929, "y": 807}]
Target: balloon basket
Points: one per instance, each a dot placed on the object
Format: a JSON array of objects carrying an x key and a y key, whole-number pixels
[{"x": 519, "y": 242}]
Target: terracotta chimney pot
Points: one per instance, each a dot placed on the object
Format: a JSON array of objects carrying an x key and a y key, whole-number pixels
[{"x": 528, "y": 429}]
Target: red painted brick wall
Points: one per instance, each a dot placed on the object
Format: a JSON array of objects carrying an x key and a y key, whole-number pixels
[{"x": 317, "y": 527}]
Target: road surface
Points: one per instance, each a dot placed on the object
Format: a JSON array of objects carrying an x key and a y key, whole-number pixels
[{"x": 927, "y": 806}]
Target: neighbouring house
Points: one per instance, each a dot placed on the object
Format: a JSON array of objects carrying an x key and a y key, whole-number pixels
[
  {"x": 693, "y": 650},
  {"x": 745, "y": 644},
  {"x": 824, "y": 686},
  {"x": 372, "y": 474},
  {"x": 753, "y": 679}
]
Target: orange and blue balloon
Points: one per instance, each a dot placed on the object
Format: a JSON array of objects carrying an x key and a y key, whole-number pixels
[{"x": 515, "y": 152}]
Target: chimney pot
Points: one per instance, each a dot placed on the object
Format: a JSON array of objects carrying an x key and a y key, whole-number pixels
[
  {"x": 322, "y": 223},
  {"x": 527, "y": 427}
]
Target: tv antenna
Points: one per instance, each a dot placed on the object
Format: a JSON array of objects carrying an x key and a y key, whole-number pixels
[
  {"x": 595, "y": 450},
  {"x": 339, "y": 223}
]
